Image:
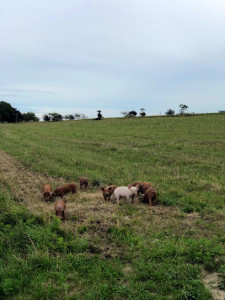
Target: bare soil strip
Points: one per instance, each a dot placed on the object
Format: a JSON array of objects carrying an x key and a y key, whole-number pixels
[{"x": 211, "y": 281}]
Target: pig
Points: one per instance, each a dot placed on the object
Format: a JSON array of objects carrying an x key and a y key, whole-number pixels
[
  {"x": 60, "y": 207},
  {"x": 143, "y": 186},
  {"x": 108, "y": 191},
  {"x": 47, "y": 192},
  {"x": 61, "y": 191},
  {"x": 140, "y": 184},
  {"x": 83, "y": 183},
  {"x": 146, "y": 185},
  {"x": 150, "y": 196},
  {"x": 126, "y": 192}
]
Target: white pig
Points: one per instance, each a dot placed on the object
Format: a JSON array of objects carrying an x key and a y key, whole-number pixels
[{"x": 126, "y": 192}]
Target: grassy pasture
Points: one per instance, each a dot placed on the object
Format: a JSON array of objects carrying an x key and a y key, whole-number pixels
[
  {"x": 109, "y": 251},
  {"x": 182, "y": 157}
]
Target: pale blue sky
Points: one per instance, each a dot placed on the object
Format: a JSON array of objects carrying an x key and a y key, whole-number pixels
[{"x": 77, "y": 56}]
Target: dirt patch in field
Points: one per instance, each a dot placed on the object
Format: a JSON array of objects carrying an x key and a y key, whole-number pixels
[
  {"x": 211, "y": 282},
  {"x": 26, "y": 186}
]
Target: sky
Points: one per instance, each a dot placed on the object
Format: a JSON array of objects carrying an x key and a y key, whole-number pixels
[{"x": 80, "y": 56}]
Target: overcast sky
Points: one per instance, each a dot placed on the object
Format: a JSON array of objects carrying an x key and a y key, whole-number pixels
[{"x": 78, "y": 56}]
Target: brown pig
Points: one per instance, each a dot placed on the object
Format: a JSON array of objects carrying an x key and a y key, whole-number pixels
[
  {"x": 108, "y": 191},
  {"x": 146, "y": 185},
  {"x": 60, "y": 207},
  {"x": 47, "y": 192},
  {"x": 143, "y": 186},
  {"x": 150, "y": 196},
  {"x": 83, "y": 183},
  {"x": 65, "y": 189}
]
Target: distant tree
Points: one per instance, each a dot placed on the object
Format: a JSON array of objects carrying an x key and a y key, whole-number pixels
[
  {"x": 124, "y": 113},
  {"x": 131, "y": 113},
  {"x": 80, "y": 116},
  {"x": 9, "y": 113},
  {"x": 69, "y": 117},
  {"x": 83, "y": 116},
  {"x": 46, "y": 118},
  {"x": 55, "y": 117},
  {"x": 99, "y": 115},
  {"x": 77, "y": 116},
  {"x": 30, "y": 116},
  {"x": 183, "y": 108},
  {"x": 142, "y": 113},
  {"x": 170, "y": 112}
]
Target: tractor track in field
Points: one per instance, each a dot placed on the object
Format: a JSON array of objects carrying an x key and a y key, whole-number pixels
[{"x": 26, "y": 187}]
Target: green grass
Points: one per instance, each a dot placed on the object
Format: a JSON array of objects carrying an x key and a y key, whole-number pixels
[
  {"x": 182, "y": 157},
  {"x": 41, "y": 260},
  {"x": 155, "y": 254}
]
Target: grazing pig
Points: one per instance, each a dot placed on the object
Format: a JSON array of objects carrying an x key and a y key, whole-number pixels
[
  {"x": 61, "y": 191},
  {"x": 126, "y": 192},
  {"x": 108, "y": 191},
  {"x": 47, "y": 192},
  {"x": 150, "y": 196},
  {"x": 83, "y": 183},
  {"x": 60, "y": 207},
  {"x": 140, "y": 184},
  {"x": 143, "y": 186},
  {"x": 146, "y": 185}
]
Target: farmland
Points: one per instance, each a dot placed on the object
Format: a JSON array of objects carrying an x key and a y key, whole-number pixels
[{"x": 104, "y": 250}]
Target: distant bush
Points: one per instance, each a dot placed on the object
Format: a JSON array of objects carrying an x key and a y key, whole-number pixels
[
  {"x": 30, "y": 116},
  {"x": 69, "y": 117},
  {"x": 142, "y": 113},
  {"x": 170, "y": 112},
  {"x": 131, "y": 113},
  {"x": 54, "y": 117},
  {"x": 46, "y": 118}
]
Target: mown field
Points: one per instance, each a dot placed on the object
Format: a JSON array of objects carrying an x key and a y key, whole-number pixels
[{"x": 110, "y": 251}]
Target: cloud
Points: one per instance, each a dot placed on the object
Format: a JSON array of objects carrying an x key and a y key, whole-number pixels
[{"x": 113, "y": 55}]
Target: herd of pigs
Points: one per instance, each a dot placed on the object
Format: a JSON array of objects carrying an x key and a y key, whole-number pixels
[{"x": 129, "y": 192}]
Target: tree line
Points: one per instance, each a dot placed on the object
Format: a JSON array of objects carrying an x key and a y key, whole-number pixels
[
  {"x": 55, "y": 117},
  {"x": 10, "y": 114}
]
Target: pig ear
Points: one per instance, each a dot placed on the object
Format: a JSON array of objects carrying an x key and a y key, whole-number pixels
[
  {"x": 129, "y": 186},
  {"x": 102, "y": 188},
  {"x": 137, "y": 186}
]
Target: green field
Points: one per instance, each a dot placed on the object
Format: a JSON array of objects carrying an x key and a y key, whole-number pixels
[{"x": 121, "y": 251}]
